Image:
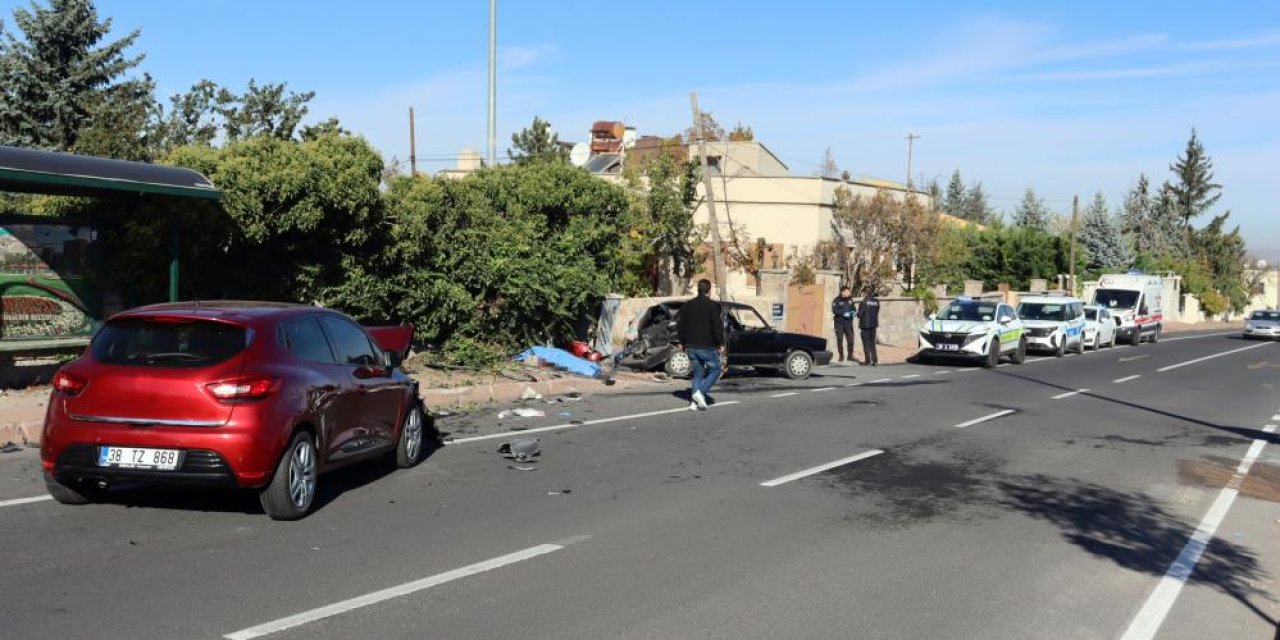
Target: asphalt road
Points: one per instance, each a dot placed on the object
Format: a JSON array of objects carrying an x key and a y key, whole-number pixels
[{"x": 925, "y": 502}]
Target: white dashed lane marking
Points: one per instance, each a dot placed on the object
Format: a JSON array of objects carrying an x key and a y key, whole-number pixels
[
  {"x": 993, "y": 416},
  {"x": 822, "y": 467}
]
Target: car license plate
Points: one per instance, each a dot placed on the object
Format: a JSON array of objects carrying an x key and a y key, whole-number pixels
[
  {"x": 948, "y": 347},
  {"x": 135, "y": 458}
]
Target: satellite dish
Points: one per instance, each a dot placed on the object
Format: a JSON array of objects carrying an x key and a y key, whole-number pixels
[{"x": 579, "y": 155}]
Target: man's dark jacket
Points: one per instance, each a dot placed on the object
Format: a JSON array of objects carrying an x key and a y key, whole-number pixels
[
  {"x": 700, "y": 324},
  {"x": 842, "y": 309},
  {"x": 869, "y": 313}
]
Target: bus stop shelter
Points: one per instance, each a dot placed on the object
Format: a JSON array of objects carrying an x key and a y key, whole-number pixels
[{"x": 35, "y": 251}]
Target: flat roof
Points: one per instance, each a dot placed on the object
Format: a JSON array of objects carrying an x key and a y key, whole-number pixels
[{"x": 56, "y": 173}]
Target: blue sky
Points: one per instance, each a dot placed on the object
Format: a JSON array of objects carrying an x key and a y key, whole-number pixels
[{"x": 1067, "y": 97}]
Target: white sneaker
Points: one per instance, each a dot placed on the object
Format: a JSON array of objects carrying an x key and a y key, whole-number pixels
[
  {"x": 693, "y": 406},
  {"x": 699, "y": 401}
]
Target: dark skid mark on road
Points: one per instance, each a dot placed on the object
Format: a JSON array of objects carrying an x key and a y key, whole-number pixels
[
  {"x": 908, "y": 488},
  {"x": 1263, "y": 481},
  {"x": 1133, "y": 531}
]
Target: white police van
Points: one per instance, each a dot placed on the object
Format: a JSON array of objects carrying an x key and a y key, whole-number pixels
[
  {"x": 985, "y": 330},
  {"x": 1053, "y": 323}
]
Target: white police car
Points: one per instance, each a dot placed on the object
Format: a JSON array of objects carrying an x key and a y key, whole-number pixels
[
  {"x": 985, "y": 330},
  {"x": 1053, "y": 324}
]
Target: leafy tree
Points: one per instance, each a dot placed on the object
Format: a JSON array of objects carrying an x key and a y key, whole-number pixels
[
  {"x": 741, "y": 134},
  {"x": 1032, "y": 213},
  {"x": 330, "y": 127},
  {"x": 661, "y": 244},
  {"x": 537, "y": 143},
  {"x": 60, "y": 77},
  {"x": 510, "y": 256},
  {"x": 711, "y": 130},
  {"x": 877, "y": 238},
  {"x": 206, "y": 111},
  {"x": 193, "y": 118},
  {"x": 1101, "y": 237},
  {"x": 1194, "y": 191},
  {"x": 1225, "y": 257},
  {"x": 267, "y": 110}
]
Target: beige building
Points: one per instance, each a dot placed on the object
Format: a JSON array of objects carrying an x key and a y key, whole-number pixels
[{"x": 756, "y": 192}]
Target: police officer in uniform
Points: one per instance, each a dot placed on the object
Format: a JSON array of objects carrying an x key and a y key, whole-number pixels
[
  {"x": 842, "y": 310},
  {"x": 868, "y": 322}
]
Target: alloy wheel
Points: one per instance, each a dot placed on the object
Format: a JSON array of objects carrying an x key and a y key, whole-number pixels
[{"x": 302, "y": 474}]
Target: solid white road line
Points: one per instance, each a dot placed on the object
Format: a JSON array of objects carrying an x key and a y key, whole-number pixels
[
  {"x": 822, "y": 389},
  {"x": 405, "y": 589},
  {"x": 850, "y": 386},
  {"x": 985, "y": 418},
  {"x": 1127, "y": 378},
  {"x": 1147, "y": 623},
  {"x": 942, "y": 372},
  {"x": 1070, "y": 393},
  {"x": 1207, "y": 335},
  {"x": 585, "y": 423},
  {"x": 783, "y": 395},
  {"x": 822, "y": 467},
  {"x": 881, "y": 380},
  {"x": 914, "y": 375},
  {"x": 17, "y": 501},
  {"x": 1216, "y": 355}
]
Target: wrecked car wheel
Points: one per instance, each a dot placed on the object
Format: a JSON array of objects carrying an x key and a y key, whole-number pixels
[
  {"x": 798, "y": 366},
  {"x": 678, "y": 365}
]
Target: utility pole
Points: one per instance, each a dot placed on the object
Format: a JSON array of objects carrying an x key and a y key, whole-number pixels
[
  {"x": 911, "y": 138},
  {"x": 1075, "y": 218},
  {"x": 413, "y": 148},
  {"x": 718, "y": 257},
  {"x": 493, "y": 81}
]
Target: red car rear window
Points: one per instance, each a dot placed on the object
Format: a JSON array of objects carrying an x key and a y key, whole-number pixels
[{"x": 168, "y": 342}]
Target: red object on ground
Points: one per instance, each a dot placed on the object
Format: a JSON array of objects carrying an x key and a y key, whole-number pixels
[{"x": 579, "y": 348}]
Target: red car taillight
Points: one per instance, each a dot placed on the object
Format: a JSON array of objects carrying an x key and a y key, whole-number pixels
[
  {"x": 68, "y": 384},
  {"x": 242, "y": 389}
]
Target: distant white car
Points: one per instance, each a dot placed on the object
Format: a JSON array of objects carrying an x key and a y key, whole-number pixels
[
  {"x": 1099, "y": 328},
  {"x": 1262, "y": 324},
  {"x": 1054, "y": 324}
]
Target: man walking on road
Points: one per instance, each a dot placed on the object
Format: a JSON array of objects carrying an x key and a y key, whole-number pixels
[
  {"x": 842, "y": 309},
  {"x": 868, "y": 322},
  {"x": 701, "y": 330}
]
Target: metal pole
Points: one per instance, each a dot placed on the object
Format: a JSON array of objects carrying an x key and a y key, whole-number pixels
[
  {"x": 493, "y": 82},
  {"x": 911, "y": 138},
  {"x": 1075, "y": 217},
  {"x": 175, "y": 249},
  {"x": 718, "y": 257},
  {"x": 413, "y": 148}
]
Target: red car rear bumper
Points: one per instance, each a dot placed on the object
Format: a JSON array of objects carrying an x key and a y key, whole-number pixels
[{"x": 241, "y": 453}]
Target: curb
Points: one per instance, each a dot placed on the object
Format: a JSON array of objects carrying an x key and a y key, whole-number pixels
[{"x": 511, "y": 391}]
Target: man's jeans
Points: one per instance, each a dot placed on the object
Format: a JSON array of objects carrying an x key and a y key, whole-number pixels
[{"x": 706, "y": 368}]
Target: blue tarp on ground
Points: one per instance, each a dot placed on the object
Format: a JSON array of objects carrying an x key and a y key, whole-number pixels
[{"x": 561, "y": 359}]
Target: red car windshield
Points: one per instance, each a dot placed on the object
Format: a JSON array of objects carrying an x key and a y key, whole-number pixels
[{"x": 167, "y": 342}]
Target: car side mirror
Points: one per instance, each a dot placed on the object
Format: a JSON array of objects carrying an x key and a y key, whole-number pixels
[
  {"x": 931, "y": 316},
  {"x": 1006, "y": 319}
]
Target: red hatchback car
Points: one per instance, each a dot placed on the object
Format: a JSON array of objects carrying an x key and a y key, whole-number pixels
[{"x": 230, "y": 394}]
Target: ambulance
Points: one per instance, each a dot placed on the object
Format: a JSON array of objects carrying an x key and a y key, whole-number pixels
[{"x": 1136, "y": 302}]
